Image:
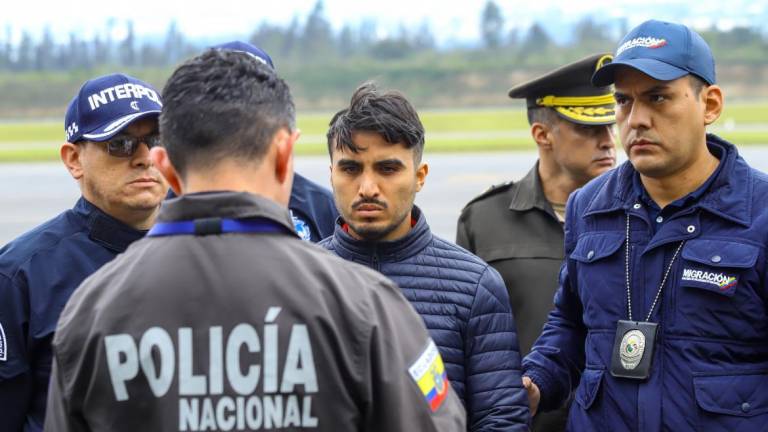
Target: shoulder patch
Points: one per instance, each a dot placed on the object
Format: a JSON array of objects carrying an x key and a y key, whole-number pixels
[
  {"x": 301, "y": 227},
  {"x": 428, "y": 372},
  {"x": 3, "y": 345},
  {"x": 491, "y": 191}
]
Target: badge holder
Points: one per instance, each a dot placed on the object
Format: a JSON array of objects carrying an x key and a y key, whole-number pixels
[
  {"x": 633, "y": 349},
  {"x": 635, "y": 340}
]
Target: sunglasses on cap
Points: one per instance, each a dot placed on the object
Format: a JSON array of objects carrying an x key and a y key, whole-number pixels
[{"x": 124, "y": 146}]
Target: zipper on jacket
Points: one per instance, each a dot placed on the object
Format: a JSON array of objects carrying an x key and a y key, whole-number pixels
[{"x": 375, "y": 259}]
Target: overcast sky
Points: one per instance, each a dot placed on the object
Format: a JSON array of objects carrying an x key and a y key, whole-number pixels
[{"x": 450, "y": 20}]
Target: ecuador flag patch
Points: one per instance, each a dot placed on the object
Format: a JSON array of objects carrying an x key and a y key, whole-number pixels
[{"x": 429, "y": 374}]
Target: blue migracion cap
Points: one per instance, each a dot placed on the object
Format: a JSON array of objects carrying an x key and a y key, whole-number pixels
[{"x": 662, "y": 50}]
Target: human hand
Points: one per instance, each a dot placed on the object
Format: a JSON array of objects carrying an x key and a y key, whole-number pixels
[{"x": 534, "y": 396}]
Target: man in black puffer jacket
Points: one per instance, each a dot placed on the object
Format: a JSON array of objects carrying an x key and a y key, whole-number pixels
[{"x": 376, "y": 146}]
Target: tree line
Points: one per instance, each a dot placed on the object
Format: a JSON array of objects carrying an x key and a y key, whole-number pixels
[{"x": 313, "y": 40}]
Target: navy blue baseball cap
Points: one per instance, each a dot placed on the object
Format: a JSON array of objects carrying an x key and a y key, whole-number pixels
[
  {"x": 662, "y": 50},
  {"x": 256, "y": 52},
  {"x": 108, "y": 104}
]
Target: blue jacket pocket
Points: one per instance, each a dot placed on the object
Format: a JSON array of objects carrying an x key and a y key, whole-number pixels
[
  {"x": 596, "y": 246},
  {"x": 587, "y": 391},
  {"x": 732, "y": 402},
  {"x": 716, "y": 265}
]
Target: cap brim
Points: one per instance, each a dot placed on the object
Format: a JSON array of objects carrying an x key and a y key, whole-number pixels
[
  {"x": 107, "y": 131},
  {"x": 656, "y": 69}
]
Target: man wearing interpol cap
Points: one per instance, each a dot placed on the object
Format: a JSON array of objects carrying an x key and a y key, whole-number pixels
[
  {"x": 660, "y": 321},
  {"x": 109, "y": 127},
  {"x": 517, "y": 226}
]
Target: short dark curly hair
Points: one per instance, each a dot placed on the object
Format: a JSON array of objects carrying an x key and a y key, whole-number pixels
[
  {"x": 220, "y": 105},
  {"x": 388, "y": 114}
]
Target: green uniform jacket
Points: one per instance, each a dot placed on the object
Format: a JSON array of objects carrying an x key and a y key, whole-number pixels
[{"x": 513, "y": 228}]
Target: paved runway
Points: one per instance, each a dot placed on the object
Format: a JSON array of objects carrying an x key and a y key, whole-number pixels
[{"x": 33, "y": 193}]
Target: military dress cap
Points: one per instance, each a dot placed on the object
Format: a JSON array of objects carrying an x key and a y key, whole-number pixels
[{"x": 569, "y": 92}]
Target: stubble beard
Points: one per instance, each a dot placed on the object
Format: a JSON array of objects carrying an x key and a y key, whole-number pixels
[{"x": 371, "y": 233}]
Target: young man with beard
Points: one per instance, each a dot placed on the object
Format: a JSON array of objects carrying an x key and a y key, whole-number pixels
[
  {"x": 660, "y": 321},
  {"x": 517, "y": 227},
  {"x": 376, "y": 147},
  {"x": 110, "y": 126}
]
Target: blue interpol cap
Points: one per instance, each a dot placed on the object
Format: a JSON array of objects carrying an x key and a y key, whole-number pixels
[
  {"x": 108, "y": 104},
  {"x": 252, "y": 50},
  {"x": 662, "y": 50}
]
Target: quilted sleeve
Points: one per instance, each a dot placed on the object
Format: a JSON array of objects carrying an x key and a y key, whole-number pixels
[{"x": 495, "y": 396}]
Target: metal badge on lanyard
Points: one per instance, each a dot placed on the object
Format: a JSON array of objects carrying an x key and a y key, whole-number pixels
[{"x": 635, "y": 340}]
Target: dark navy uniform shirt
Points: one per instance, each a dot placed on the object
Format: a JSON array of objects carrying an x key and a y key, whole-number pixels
[
  {"x": 658, "y": 216},
  {"x": 312, "y": 209},
  {"x": 38, "y": 273}
]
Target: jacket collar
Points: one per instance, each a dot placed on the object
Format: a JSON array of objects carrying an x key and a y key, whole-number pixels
[
  {"x": 106, "y": 230},
  {"x": 410, "y": 244},
  {"x": 729, "y": 196},
  {"x": 224, "y": 204},
  {"x": 528, "y": 193}
]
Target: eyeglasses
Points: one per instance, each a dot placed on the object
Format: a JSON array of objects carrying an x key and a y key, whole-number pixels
[{"x": 124, "y": 146}]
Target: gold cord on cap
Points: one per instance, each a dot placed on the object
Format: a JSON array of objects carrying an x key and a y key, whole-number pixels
[
  {"x": 568, "y": 101},
  {"x": 588, "y": 115},
  {"x": 603, "y": 60}
]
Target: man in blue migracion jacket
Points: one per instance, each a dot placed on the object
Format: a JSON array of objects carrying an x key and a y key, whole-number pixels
[{"x": 660, "y": 321}]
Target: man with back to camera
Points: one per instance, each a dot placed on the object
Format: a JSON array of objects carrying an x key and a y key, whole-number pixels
[
  {"x": 517, "y": 227},
  {"x": 660, "y": 321},
  {"x": 110, "y": 125},
  {"x": 242, "y": 324},
  {"x": 376, "y": 145},
  {"x": 311, "y": 205}
]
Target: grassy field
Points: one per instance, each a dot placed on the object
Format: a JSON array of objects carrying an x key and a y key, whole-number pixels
[{"x": 447, "y": 131}]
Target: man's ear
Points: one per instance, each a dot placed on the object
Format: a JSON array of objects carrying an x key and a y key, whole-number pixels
[
  {"x": 71, "y": 155},
  {"x": 285, "y": 141},
  {"x": 713, "y": 103},
  {"x": 421, "y": 175},
  {"x": 540, "y": 134},
  {"x": 161, "y": 161}
]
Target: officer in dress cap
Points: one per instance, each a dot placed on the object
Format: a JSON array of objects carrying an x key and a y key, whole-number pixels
[{"x": 517, "y": 227}]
